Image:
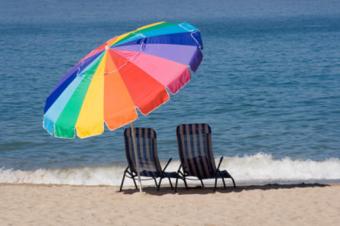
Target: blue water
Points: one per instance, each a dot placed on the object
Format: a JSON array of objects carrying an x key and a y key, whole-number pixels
[{"x": 269, "y": 82}]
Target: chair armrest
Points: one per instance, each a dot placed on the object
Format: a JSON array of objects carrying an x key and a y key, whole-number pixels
[
  {"x": 126, "y": 169},
  {"x": 219, "y": 164},
  {"x": 179, "y": 170},
  {"x": 166, "y": 165}
]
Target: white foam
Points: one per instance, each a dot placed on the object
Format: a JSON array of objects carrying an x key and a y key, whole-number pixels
[
  {"x": 262, "y": 168},
  {"x": 256, "y": 169}
]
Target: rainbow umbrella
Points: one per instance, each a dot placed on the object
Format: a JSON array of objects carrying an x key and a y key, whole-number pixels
[{"x": 136, "y": 70}]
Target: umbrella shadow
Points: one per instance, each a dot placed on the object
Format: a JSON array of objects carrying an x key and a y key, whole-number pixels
[{"x": 203, "y": 191}]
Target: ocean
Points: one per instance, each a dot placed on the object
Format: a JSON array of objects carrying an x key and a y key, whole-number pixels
[{"x": 269, "y": 86}]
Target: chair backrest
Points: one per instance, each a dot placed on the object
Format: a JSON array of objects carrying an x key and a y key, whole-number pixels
[
  {"x": 146, "y": 142},
  {"x": 195, "y": 150}
]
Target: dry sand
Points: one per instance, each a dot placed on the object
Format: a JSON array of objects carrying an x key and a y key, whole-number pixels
[{"x": 257, "y": 205}]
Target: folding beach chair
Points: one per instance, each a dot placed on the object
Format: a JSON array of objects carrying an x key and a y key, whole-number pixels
[
  {"x": 149, "y": 165},
  {"x": 196, "y": 155}
]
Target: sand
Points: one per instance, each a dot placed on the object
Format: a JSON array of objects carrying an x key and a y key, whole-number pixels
[{"x": 86, "y": 205}]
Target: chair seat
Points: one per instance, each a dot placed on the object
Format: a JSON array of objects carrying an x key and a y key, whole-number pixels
[
  {"x": 223, "y": 173},
  {"x": 159, "y": 174},
  {"x": 146, "y": 173},
  {"x": 172, "y": 174}
]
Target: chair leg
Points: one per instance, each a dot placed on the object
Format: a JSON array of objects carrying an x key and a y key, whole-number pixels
[
  {"x": 176, "y": 184},
  {"x": 215, "y": 184},
  {"x": 172, "y": 187},
  {"x": 202, "y": 184},
  {"x": 185, "y": 183},
  {"x": 121, "y": 185},
  {"x": 224, "y": 183},
  {"x": 155, "y": 182},
  {"x": 233, "y": 181},
  {"x": 134, "y": 181},
  {"x": 159, "y": 183}
]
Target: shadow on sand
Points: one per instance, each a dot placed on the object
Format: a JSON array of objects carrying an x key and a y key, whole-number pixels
[{"x": 202, "y": 191}]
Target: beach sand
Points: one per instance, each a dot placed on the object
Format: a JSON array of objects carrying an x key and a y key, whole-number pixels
[{"x": 104, "y": 205}]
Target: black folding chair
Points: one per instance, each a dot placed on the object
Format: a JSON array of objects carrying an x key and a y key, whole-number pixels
[
  {"x": 196, "y": 155},
  {"x": 149, "y": 165}
]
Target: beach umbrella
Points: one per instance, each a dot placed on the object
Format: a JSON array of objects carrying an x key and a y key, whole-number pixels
[{"x": 133, "y": 71}]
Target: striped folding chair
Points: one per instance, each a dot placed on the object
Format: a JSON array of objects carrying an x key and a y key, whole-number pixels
[
  {"x": 149, "y": 165},
  {"x": 196, "y": 155}
]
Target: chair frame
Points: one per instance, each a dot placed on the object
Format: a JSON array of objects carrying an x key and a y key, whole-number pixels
[
  {"x": 132, "y": 174},
  {"x": 217, "y": 174}
]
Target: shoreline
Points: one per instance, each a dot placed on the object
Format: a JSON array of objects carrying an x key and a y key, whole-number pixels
[
  {"x": 166, "y": 187},
  {"x": 272, "y": 204},
  {"x": 195, "y": 184}
]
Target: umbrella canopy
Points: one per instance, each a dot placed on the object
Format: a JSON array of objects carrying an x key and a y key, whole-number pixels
[{"x": 132, "y": 71}]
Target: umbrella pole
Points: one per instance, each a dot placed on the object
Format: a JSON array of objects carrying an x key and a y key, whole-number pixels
[{"x": 133, "y": 131}]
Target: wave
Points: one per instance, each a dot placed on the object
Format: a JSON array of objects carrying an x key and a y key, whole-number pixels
[{"x": 253, "y": 169}]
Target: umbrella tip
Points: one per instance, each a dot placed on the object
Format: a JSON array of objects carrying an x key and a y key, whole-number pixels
[{"x": 107, "y": 47}]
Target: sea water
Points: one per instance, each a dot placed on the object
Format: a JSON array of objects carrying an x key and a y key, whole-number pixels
[{"x": 269, "y": 86}]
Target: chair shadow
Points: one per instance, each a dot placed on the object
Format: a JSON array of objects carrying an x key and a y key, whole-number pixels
[{"x": 209, "y": 190}]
